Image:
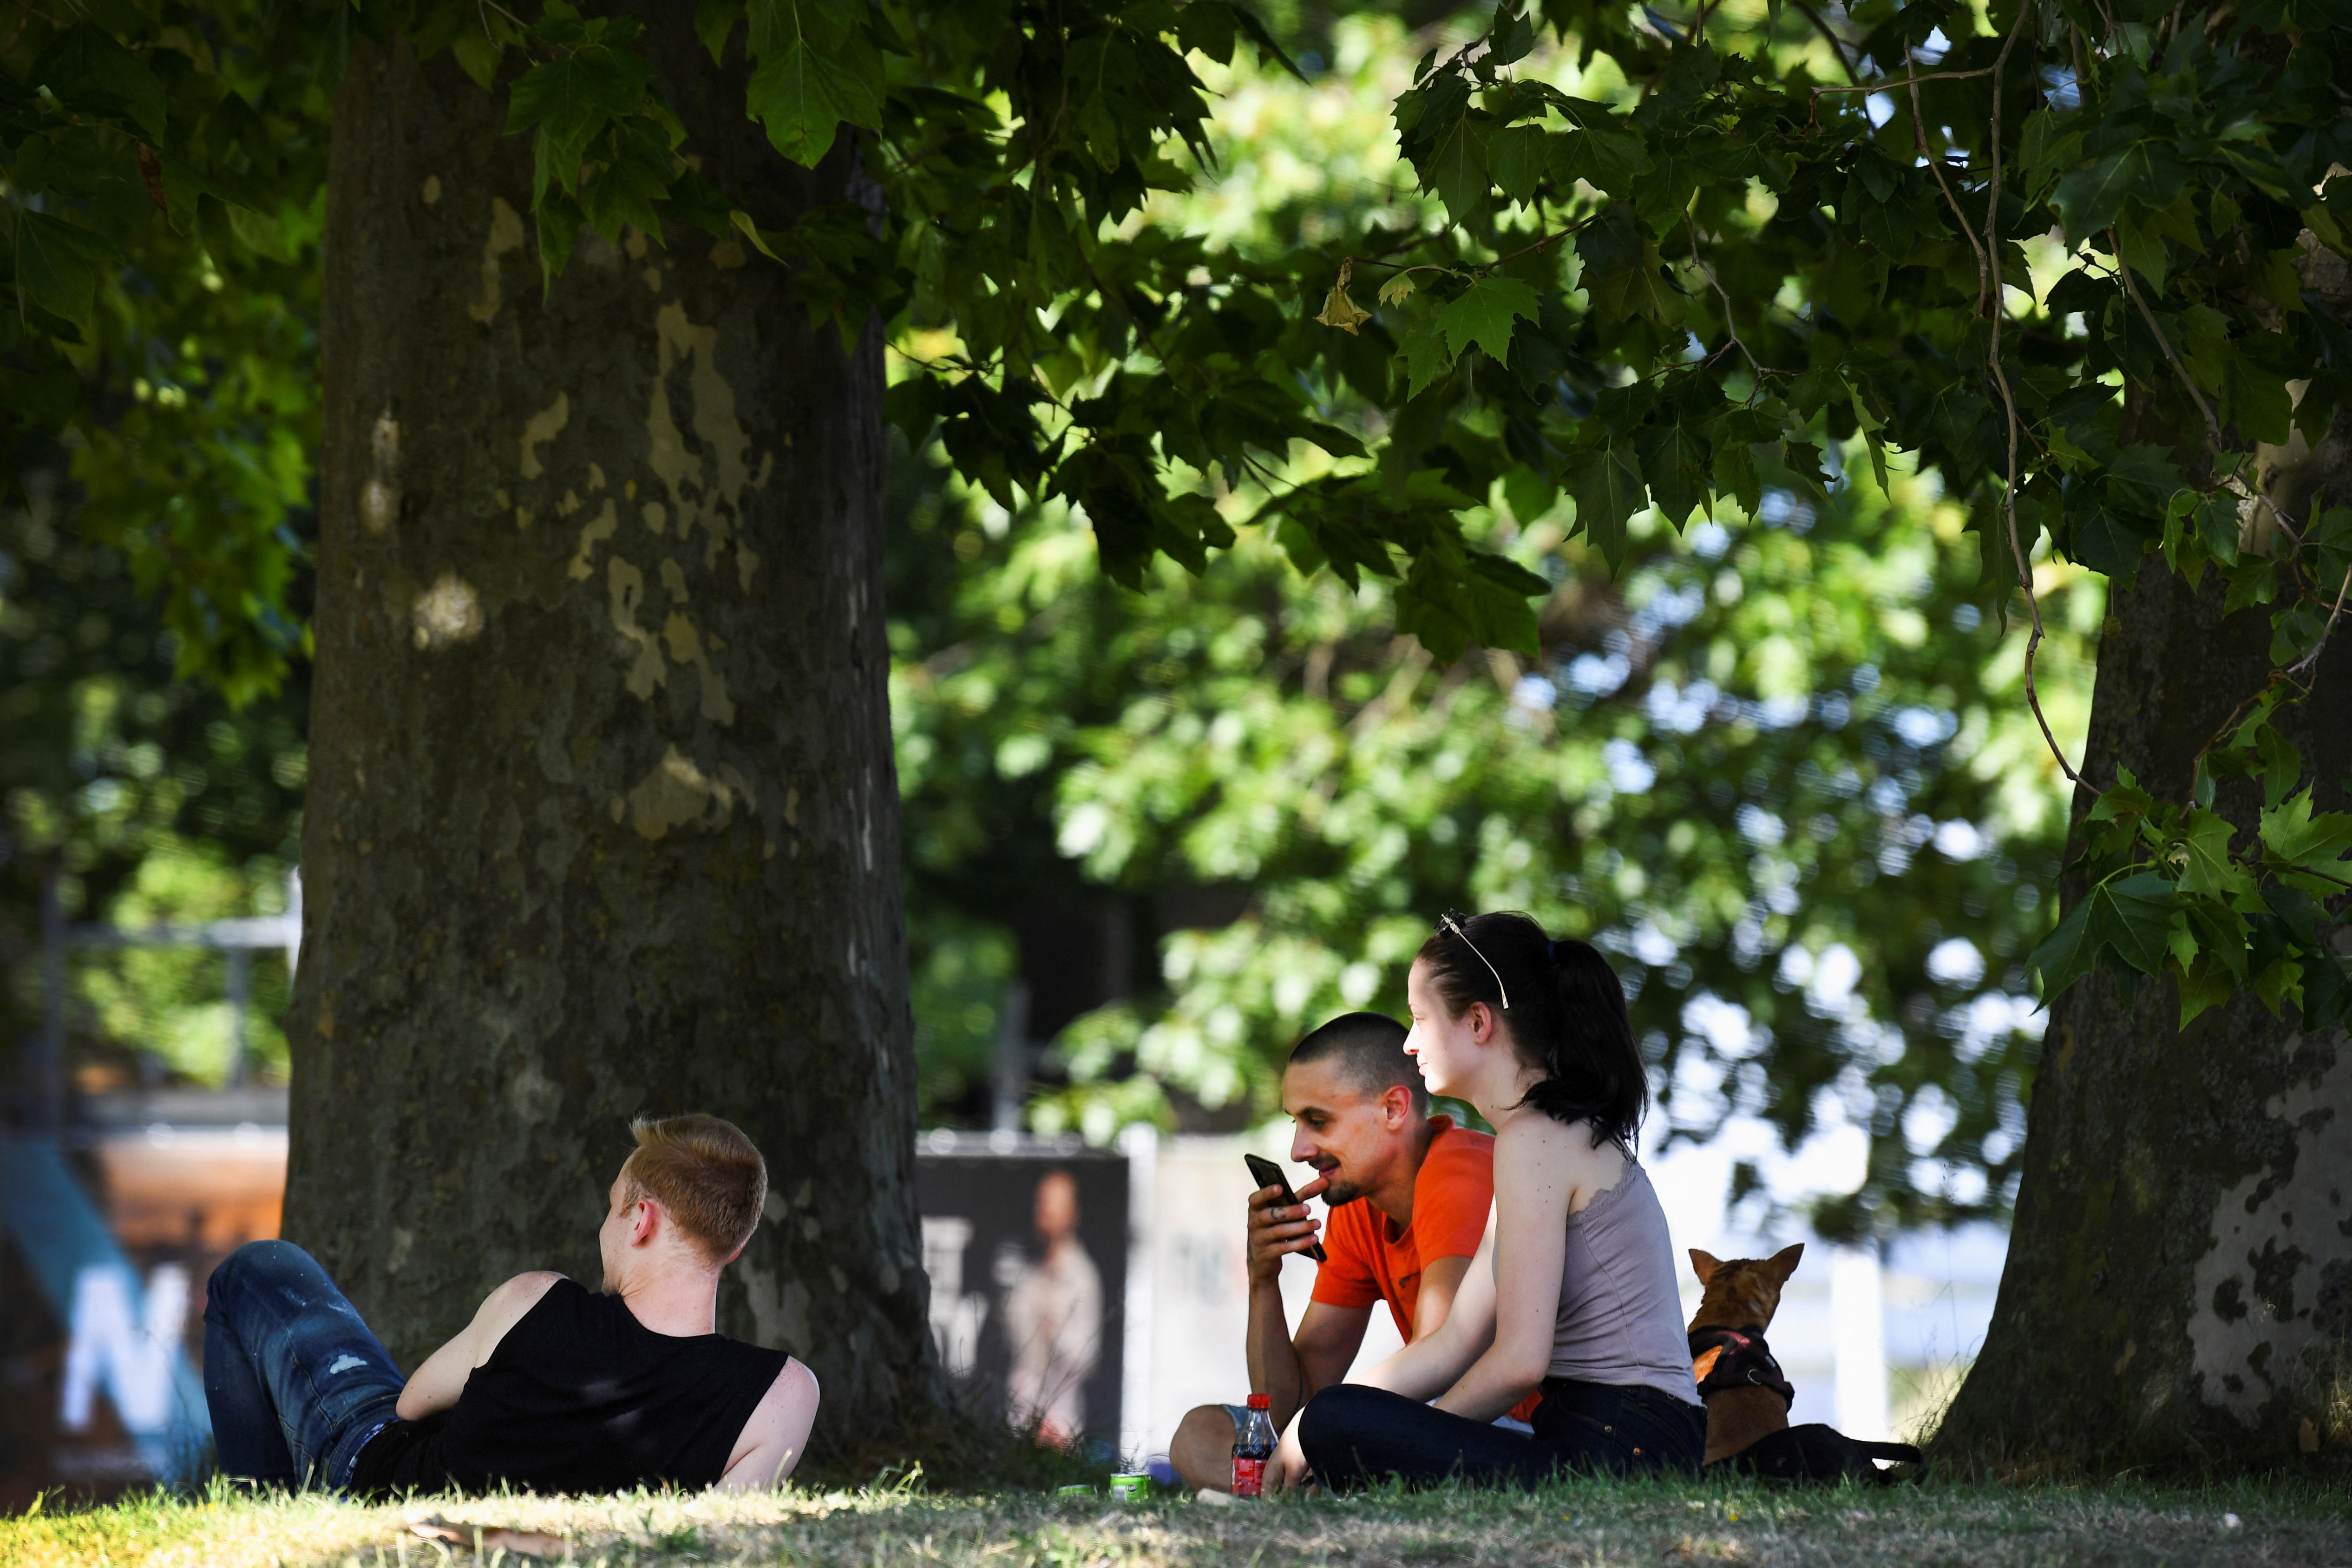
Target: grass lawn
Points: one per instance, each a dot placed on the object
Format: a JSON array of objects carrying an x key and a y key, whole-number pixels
[{"x": 1582, "y": 1522}]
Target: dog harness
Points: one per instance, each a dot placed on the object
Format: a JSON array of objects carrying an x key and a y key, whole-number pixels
[{"x": 1734, "y": 1358}]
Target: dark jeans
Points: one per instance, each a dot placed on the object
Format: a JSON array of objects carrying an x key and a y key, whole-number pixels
[
  {"x": 1355, "y": 1436},
  {"x": 296, "y": 1381}
]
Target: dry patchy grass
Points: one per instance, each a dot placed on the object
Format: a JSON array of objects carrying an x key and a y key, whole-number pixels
[{"x": 1580, "y": 1523}]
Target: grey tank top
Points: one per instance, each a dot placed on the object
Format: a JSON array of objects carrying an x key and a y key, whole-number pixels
[{"x": 1620, "y": 1315}]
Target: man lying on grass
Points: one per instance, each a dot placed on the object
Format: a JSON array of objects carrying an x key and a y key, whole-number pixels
[{"x": 551, "y": 1388}]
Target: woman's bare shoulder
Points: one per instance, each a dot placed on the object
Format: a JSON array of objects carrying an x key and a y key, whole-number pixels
[{"x": 1532, "y": 1142}]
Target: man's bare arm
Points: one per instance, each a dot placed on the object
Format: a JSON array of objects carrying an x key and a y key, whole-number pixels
[
  {"x": 776, "y": 1435},
  {"x": 1276, "y": 1230},
  {"x": 1328, "y": 1338},
  {"x": 1440, "y": 1279},
  {"x": 442, "y": 1378}
]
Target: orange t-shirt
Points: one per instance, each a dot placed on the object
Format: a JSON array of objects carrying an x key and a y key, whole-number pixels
[{"x": 1371, "y": 1260}]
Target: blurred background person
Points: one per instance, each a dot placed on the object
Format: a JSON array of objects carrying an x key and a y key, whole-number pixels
[{"x": 1052, "y": 1316}]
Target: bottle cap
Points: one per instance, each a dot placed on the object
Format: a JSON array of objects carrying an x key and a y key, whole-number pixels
[{"x": 1261, "y": 1402}]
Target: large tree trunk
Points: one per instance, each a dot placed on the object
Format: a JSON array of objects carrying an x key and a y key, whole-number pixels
[
  {"x": 601, "y": 819},
  {"x": 2179, "y": 1288}
]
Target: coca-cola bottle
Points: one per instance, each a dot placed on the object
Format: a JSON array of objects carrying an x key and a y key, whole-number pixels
[{"x": 1253, "y": 1446}]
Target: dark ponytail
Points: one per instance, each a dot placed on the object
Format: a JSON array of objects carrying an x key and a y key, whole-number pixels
[{"x": 1566, "y": 1016}]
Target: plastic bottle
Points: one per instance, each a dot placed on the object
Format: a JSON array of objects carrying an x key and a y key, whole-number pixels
[{"x": 1253, "y": 1446}]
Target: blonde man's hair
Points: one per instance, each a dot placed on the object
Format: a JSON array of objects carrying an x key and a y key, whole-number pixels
[{"x": 705, "y": 1173}]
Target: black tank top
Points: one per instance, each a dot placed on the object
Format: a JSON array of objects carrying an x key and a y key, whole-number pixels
[{"x": 581, "y": 1398}]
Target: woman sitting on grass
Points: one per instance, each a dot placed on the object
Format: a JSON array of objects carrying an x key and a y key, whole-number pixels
[{"x": 1573, "y": 1286}]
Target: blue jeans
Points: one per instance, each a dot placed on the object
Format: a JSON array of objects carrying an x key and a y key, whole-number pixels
[
  {"x": 1354, "y": 1436},
  {"x": 296, "y": 1381}
]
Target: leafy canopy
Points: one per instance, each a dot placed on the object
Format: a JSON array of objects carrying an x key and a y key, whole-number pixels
[
  {"x": 1779, "y": 769},
  {"x": 1668, "y": 275}
]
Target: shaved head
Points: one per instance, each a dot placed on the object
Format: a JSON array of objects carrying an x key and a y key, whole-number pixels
[{"x": 1368, "y": 1048}]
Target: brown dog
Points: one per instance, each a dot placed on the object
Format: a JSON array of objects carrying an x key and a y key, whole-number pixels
[{"x": 1738, "y": 1300}]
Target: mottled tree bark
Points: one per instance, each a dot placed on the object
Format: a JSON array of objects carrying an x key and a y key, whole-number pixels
[
  {"x": 2179, "y": 1288},
  {"x": 601, "y": 819}
]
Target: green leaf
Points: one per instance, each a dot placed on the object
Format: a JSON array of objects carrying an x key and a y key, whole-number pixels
[
  {"x": 714, "y": 23},
  {"x": 1609, "y": 161},
  {"x": 1426, "y": 358},
  {"x": 2279, "y": 764},
  {"x": 1736, "y": 475},
  {"x": 572, "y": 97},
  {"x": 1622, "y": 275},
  {"x": 2255, "y": 400},
  {"x": 86, "y": 70},
  {"x": 1516, "y": 156},
  {"x": 1209, "y": 28},
  {"x": 569, "y": 99},
  {"x": 2279, "y": 984},
  {"x": 2108, "y": 544},
  {"x": 2207, "y": 869},
  {"x": 1512, "y": 36},
  {"x": 1457, "y": 167},
  {"x": 2089, "y": 198},
  {"x": 2067, "y": 955},
  {"x": 559, "y": 221},
  {"x": 1485, "y": 313},
  {"x": 2143, "y": 251},
  {"x": 2124, "y": 798},
  {"x": 1608, "y": 493},
  {"x": 2143, "y": 905},
  {"x": 1674, "y": 462},
  {"x": 2046, "y": 146},
  {"x": 2299, "y": 841},
  {"x": 2208, "y": 986},
  {"x": 1871, "y": 425},
  {"x": 803, "y": 98},
  {"x": 259, "y": 232},
  {"x": 1262, "y": 38},
  {"x": 2293, "y": 834},
  {"x": 741, "y": 222},
  {"x": 1452, "y": 597},
  {"x": 56, "y": 267},
  {"x": 477, "y": 55},
  {"x": 2143, "y": 480}
]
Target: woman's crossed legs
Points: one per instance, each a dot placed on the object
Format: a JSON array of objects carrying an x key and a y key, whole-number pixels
[{"x": 1355, "y": 1436}]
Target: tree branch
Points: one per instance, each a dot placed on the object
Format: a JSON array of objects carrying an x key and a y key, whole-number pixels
[
  {"x": 2311, "y": 660},
  {"x": 2007, "y": 397},
  {"x": 1837, "y": 44},
  {"x": 1936, "y": 165},
  {"x": 2212, "y": 425},
  {"x": 1730, "y": 328},
  {"x": 1884, "y": 83}
]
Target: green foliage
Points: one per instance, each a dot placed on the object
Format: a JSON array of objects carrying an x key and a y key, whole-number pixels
[
  {"x": 163, "y": 203},
  {"x": 1812, "y": 696},
  {"x": 1663, "y": 266},
  {"x": 1742, "y": 765},
  {"x": 147, "y": 796}
]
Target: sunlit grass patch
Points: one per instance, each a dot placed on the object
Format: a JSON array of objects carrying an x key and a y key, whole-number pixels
[{"x": 1582, "y": 1522}]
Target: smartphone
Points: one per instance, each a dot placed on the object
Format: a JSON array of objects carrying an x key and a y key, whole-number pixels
[{"x": 1267, "y": 1174}]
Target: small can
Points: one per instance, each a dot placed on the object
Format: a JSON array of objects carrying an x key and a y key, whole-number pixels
[
  {"x": 1131, "y": 1488},
  {"x": 1079, "y": 1490}
]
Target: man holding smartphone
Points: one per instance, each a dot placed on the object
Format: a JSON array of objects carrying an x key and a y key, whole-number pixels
[{"x": 1408, "y": 1194}]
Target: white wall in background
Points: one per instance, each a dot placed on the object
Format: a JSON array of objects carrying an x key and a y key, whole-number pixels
[{"x": 1192, "y": 1285}]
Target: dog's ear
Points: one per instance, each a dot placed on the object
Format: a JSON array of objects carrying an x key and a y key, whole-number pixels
[
  {"x": 1783, "y": 1263},
  {"x": 1704, "y": 1265}
]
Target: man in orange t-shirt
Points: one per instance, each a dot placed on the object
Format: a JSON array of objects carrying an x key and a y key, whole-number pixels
[{"x": 1409, "y": 1194}]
